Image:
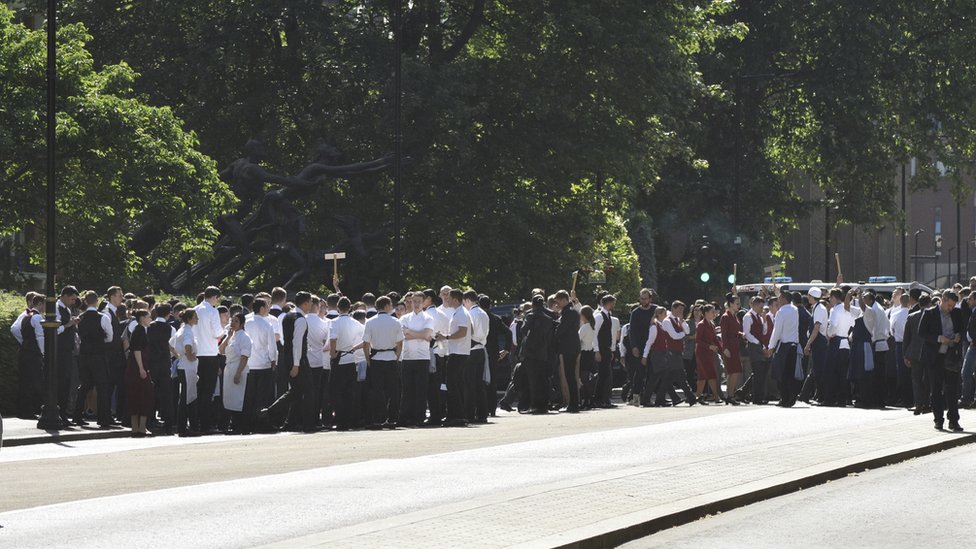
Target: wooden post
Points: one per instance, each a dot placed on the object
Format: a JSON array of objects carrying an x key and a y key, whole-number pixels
[{"x": 335, "y": 263}]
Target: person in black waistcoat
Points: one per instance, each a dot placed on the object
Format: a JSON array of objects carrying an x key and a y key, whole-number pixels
[
  {"x": 294, "y": 360},
  {"x": 640, "y": 325},
  {"x": 66, "y": 347},
  {"x": 604, "y": 354},
  {"x": 499, "y": 341},
  {"x": 30, "y": 360},
  {"x": 940, "y": 330},
  {"x": 568, "y": 346},
  {"x": 96, "y": 334},
  {"x": 159, "y": 359},
  {"x": 115, "y": 353}
]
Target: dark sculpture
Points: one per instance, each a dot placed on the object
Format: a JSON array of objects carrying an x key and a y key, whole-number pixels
[{"x": 269, "y": 234}]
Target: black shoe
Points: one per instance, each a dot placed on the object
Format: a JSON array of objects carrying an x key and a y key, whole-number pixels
[
  {"x": 505, "y": 406},
  {"x": 455, "y": 423},
  {"x": 189, "y": 434},
  {"x": 939, "y": 425},
  {"x": 432, "y": 423},
  {"x": 955, "y": 427},
  {"x": 79, "y": 422}
]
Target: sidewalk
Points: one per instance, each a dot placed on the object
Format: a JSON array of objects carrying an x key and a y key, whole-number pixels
[
  {"x": 621, "y": 505},
  {"x": 21, "y": 432}
]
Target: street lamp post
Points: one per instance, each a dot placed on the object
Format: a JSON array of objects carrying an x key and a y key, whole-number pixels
[
  {"x": 397, "y": 136},
  {"x": 50, "y": 417},
  {"x": 918, "y": 232},
  {"x": 949, "y": 266}
]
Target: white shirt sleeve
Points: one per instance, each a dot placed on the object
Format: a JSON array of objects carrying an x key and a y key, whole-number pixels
[
  {"x": 669, "y": 328},
  {"x": 106, "y": 323},
  {"x": 38, "y": 331},
  {"x": 16, "y": 330},
  {"x": 651, "y": 338},
  {"x": 244, "y": 344},
  {"x": 747, "y": 329}
]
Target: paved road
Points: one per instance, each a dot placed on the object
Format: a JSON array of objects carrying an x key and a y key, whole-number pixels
[
  {"x": 925, "y": 502},
  {"x": 246, "y": 491}
]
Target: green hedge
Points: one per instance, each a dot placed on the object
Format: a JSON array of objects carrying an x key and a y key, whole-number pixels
[{"x": 11, "y": 305}]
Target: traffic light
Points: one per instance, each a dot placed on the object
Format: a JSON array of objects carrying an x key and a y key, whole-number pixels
[
  {"x": 705, "y": 277},
  {"x": 731, "y": 279},
  {"x": 705, "y": 262}
]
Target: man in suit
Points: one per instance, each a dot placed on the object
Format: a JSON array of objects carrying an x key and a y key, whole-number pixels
[
  {"x": 940, "y": 330},
  {"x": 568, "y": 346},
  {"x": 66, "y": 347},
  {"x": 115, "y": 352},
  {"x": 604, "y": 354},
  {"x": 537, "y": 341},
  {"x": 497, "y": 332}
]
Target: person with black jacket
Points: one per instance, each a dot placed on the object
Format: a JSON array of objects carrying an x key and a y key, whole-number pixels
[
  {"x": 940, "y": 330},
  {"x": 537, "y": 339},
  {"x": 568, "y": 347}
]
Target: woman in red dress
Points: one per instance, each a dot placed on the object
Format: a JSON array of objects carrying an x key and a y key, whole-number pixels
[
  {"x": 139, "y": 393},
  {"x": 731, "y": 339},
  {"x": 707, "y": 344}
]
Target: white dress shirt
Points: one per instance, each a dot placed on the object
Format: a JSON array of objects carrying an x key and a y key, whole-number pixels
[
  {"x": 820, "y": 317},
  {"x": 186, "y": 336},
  {"x": 383, "y": 332},
  {"x": 747, "y": 321},
  {"x": 876, "y": 321},
  {"x": 899, "y": 316},
  {"x": 442, "y": 325},
  {"x": 651, "y": 338},
  {"x": 318, "y": 339},
  {"x": 298, "y": 339},
  {"x": 460, "y": 345},
  {"x": 786, "y": 326},
  {"x": 417, "y": 349},
  {"x": 345, "y": 333},
  {"x": 668, "y": 326},
  {"x": 208, "y": 329},
  {"x": 17, "y": 329},
  {"x": 264, "y": 350},
  {"x": 839, "y": 324},
  {"x": 479, "y": 327},
  {"x": 587, "y": 337}
]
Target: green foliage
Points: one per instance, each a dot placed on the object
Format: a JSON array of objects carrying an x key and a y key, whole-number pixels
[
  {"x": 11, "y": 305},
  {"x": 121, "y": 162}
]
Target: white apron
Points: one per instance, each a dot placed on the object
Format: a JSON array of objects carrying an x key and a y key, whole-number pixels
[{"x": 233, "y": 393}]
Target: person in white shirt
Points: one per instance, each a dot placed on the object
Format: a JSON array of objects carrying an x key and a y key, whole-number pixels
[
  {"x": 382, "y": 344},
  {"x": 185, "y": 345},
  {"x": 784, "y": 343},
  {"x": 898, "y": 318},
  {"x": 208, "y": 332},
  {"x": 839, "y": 326},
  {"x": 298, "y": 406},
  {"x": 475, "y": 397},
  {"x": 237, "y": 348},
  {"x": 418, "y": 331},
  {"x": 458, "y": 341},
  {"x": 345, "y": 337},
  {"x": 30, "y": 360},
  {"x": 318, "y": 357},
  {"x": 436, "y": 382},
  {"x": 16, "y": 328},
  {"x": 877, "y": 323},
  {"x": 816, "y": 346},
  {"x": 260, "y": 388}
]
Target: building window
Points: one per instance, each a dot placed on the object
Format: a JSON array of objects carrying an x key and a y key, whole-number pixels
[{"x": 938, "y": 220}]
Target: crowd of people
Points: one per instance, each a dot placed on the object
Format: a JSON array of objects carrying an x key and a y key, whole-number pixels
[{"x": 301, "y": 362}]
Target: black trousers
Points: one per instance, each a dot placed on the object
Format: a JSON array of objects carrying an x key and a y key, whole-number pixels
[
  {"x": 93, "y": 374},
  {"x": 299, "y": 404},
  {"x": 345, "y": 395},
  {"x": 384, "y": 390},
  {"x": 31, "y": 385},
  {"x": 163, "y": 385},
  {"x": 258, "y": 394},
  {"x": 66, "y": 366},
  {"x": 588, "y": 372},
  {"x": 944, "y": 390},
  {"x": 785, "y": 359},
  {"x": 454, "y": 377},
  {"x": 537, "y": 372},
  {"x": 326, "y": 409},
  {"x": 491, "y": 388},
  {"x": 207, "y": 369},
  {"x": 475, "y": 397},
  {"x": 604, "y": 378},
  {"x": 760, "y": 378},
  {"x": 518, "y": 388},
  {"x": 836, "y": 384},
  {"x": 187, "y": 414},
  {"x": 413, "y": 381},
  {"x": 437, "y": 398},
  {"x": 569, "y": 362},
  {"x": 116, "y": 379}
]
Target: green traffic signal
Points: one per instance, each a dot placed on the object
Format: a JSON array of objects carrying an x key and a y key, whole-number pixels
[
  {"x": 705, "y": 277},
  {"x": 731, "y": 279}
]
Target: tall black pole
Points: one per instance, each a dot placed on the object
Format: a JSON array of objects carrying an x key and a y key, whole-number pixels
[
  {"x": 397, "y": 138},
  {"x": 904, "y": 229},
  {"x": 826, "y": 240},
  {"x": 958, "y": 241},
  {"x": 50, "y": 416}
]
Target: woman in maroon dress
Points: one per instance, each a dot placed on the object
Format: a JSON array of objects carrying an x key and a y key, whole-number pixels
[
  {"x": 731, "y": 338},
  {"x": 139, "y": 393},
  {"x": 707, "y": 344}
]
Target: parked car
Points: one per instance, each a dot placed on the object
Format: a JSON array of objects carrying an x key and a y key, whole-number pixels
[{"x": 882, "y": 285}]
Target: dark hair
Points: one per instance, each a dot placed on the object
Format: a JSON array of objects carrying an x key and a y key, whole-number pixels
[
  {"x": 188, "y": 315},
  {"x": 837, "y": 294},
  {"x": 430, "y": 293},
  {"x": 538, "y": 302},
  {"x": 247, "y": 300},
  {"x": 91, "y": 298},
  {"x": 607, "y": 299},
  {"x": 708, "y": 307},
  {"x": 149, "y": 299},
  {"x": 211, "y": 291},
  {"x": 235, "y": 308},
  {"x": 915, "y": 293},
  {"x": 333, "y": 300},
  {"x": 344, "y": 304},
  {"x": 369, "y": 299},
  {"x": 562, "y": 294},
  {"x": 163, "y": 310},
  {"x": 278, "y": 294},
  {"x": 69, "y": 290},
  {"x": 240, "y": 318},
  {"x": 676, "y": 304},
  {"x": 950, "y": 295},
  {"x": 394, "y": 297},
  {"x": 259, "y": 305},
  {"x": 730, "y": 298},
  {"x": 587, "y": 313},
  {"x": 924, "y": 300},
  {"x": 797, "y": 298},
  {"x": 471, "y": 295},
  {"x": 222, "y": 309},
  {"x": 484, "y": 302},
  {"x": 302, "y": 298},
  {"x": 383, "y": 302},
  {"x": 112, "y": 291},
  {"x": 137, "y": 315},
  {"x": 359, "y": 315},
  {"x": 457, "y": 295},
  {"x": 38, "y": 300}
]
